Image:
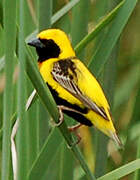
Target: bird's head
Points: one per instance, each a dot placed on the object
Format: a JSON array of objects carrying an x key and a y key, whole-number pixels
[{"x": 52, "y": 43}]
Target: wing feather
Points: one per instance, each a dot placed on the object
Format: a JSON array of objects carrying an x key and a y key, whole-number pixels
[{"x": 67, "y": 82}]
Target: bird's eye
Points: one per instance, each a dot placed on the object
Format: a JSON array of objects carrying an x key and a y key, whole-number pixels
[
  {"x": 50, "y": 50},
  {"x": 48, "y": 43}
]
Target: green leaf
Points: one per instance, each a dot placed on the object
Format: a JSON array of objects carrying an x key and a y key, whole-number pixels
[
  {"x": 9, "y": 49},
  {"x": 125, "y": 89},
  {"x": 101, "y": 25},
  {"x": 45, "y": 16},
  {"x": 63, "y": 11},
  {"x": 122, "y": 171},
  {"x": 79, "y": 24},
  {"x": 135, "y": 118},
  {"x": 1, "y": 13},
  {"x": 44, "y": 158},
  {"x": 104, "y": 50},
  {"x": 66, "y": 164},
  {"x": 22, "y": 89}
]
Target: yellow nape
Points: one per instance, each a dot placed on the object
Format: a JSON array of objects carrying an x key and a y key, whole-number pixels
[{"x": 61, "y": 39}]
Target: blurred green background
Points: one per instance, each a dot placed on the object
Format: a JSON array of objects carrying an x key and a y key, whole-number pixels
[{"x": 111, "y": 51}]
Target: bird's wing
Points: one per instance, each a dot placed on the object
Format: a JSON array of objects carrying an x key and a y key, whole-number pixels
[{"x": 66, "y": 80}]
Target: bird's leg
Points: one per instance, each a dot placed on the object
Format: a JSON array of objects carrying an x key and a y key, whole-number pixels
[
  {"x": 61, "y": 115},
  {"x": 75, "y": 127},
  {"x": 72, "y": 128}
]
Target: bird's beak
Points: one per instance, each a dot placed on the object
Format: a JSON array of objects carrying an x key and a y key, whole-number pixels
[{"x": 36, "y": 43}]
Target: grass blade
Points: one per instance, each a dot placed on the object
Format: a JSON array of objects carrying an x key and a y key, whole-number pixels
[
  {"x": 98, "y": 28},
  {"x": 45, "y": 15},
  {"x": 22, "y": 131},
  {"x": 63, "y": 11},
  {"x": 103, "y": 52},
  {"x": 79, "y": 26},
  {"x": 44, "y": 23},
  {"x": 122, "y": 171},
  {"x": 55, "y": 17},
  {"x": 9, "y": 49},
  {"x": 45, "y": 156},
  {"x": 124, "y": 91},
  {"x": 66, "y": 169},
  {"x": 136, "y": 115}
]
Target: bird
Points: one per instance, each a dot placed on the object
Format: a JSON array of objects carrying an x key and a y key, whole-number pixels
[{"x": 75, "y": 90}]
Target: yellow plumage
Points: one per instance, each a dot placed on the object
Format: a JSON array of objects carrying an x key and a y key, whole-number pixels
[{"x": 72, "y": 81}]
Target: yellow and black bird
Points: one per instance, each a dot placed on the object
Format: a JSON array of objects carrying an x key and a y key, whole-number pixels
[{"x": 75, "y": 90}]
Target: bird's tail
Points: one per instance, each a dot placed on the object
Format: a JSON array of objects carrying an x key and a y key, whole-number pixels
[{"x": 116, "y": 139}]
